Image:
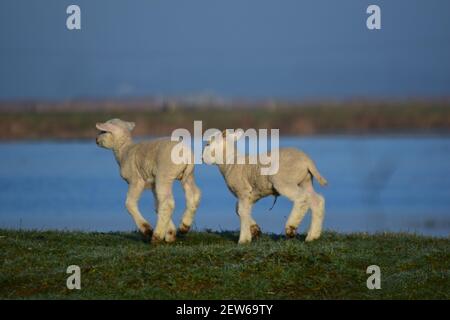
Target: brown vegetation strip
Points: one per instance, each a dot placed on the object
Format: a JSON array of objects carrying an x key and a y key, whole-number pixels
[{"x": 355, "y": 117}]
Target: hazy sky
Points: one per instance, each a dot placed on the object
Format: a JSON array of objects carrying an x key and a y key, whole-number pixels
[{"x": 287, "y": 49}]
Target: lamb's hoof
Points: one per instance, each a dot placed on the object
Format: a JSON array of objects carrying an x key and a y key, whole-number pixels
[
  {"x": 171, "y": 236},
  {"x": 183, "y": 229},
  {"x": 310, "y": 238},
  {"x": 291, "y": 232},
  {"x": 255, "y": 231},
  {"x": 156, "y": 240},
  {"x": 147, "y": 230},
  {"x": 246, "y": 241}
]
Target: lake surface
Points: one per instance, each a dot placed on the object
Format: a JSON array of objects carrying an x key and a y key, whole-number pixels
[{"x": 376, "y": 184}]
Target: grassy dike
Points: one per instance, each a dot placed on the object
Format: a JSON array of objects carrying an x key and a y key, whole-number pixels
[{"x": 208, "y": 265}]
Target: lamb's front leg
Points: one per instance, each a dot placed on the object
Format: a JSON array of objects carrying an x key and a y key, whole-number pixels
[
  {"x": 244, "y": 210},
  {"x": 166, "y": 204},
  {"x": 134, "y": 193},
  {"x": 254, "y": 229},
  {"x": 171, "y": 230}
]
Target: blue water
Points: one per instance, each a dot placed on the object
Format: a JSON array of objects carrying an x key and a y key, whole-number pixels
[{"x": 375, "y": 184}]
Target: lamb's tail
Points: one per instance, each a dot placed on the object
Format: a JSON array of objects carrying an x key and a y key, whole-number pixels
[{"x": 316, "y": 174}]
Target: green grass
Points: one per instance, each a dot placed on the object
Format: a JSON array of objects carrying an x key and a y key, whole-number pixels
[{"x": 207, "y": 265}]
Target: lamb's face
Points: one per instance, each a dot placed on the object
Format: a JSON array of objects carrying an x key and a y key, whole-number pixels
[
  {"x": 105, "y": 139},
  {"x": 112, "y": 132},
  {"x": 216, "y": 149}
]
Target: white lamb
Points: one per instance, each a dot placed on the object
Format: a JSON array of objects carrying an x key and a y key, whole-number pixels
[
  {"x": 293, "y": 180},
  {"x": 148, "y": 165}
]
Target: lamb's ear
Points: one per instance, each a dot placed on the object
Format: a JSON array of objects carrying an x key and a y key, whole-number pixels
[
  {"x": 108, "y": 127},
  {"x": 130, "y": 125}
]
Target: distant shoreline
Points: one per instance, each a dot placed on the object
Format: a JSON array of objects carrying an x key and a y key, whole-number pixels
[
  {"x": 444, "y": 134},
  {"x": 76, "y": 119}
]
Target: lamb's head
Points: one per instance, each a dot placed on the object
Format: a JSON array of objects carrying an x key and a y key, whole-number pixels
[
  {"x": 114, "y": 133},
  {"x": 221, "y": 145}
]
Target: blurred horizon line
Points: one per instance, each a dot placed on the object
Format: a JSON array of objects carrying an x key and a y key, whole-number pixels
[{"x": 203, "y": 101}]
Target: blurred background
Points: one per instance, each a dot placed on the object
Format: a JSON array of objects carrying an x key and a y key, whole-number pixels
[{"x": 371, "y": 107}]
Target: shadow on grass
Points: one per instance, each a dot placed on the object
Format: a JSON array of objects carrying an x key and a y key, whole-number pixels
[
  {"x": 234, "y": 236},
  {"x": 133, "y": 236},
  {"x": 194, "y": 236}
]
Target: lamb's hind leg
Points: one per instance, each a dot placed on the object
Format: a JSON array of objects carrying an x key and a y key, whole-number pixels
[
  {"x": 192, "y": 195},
  {"x": 317, "y": 205},
  {"x": 299, "y": 208},
  {"x": 318, "y": 213}
]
